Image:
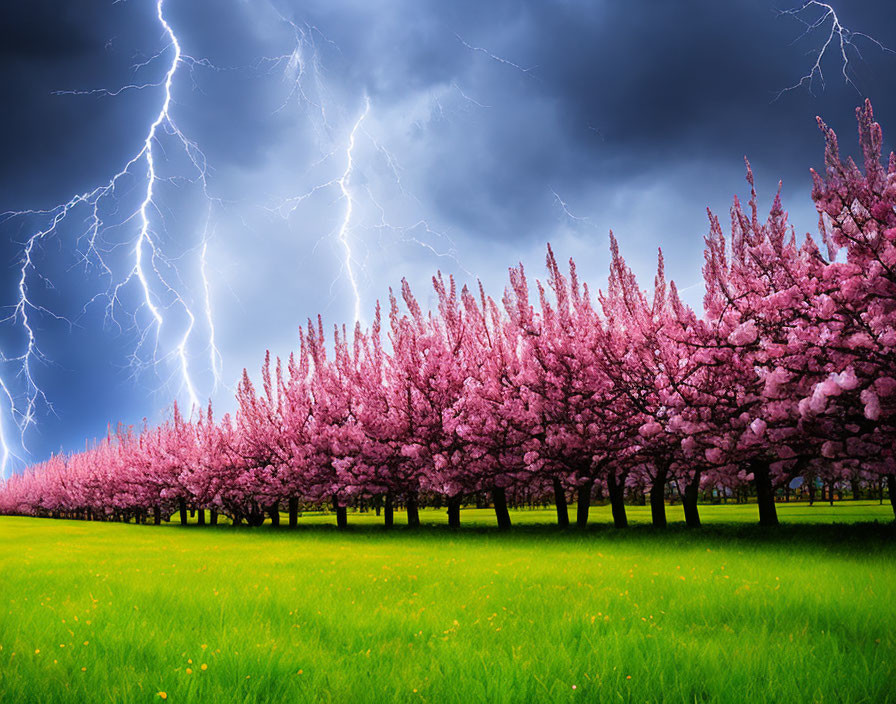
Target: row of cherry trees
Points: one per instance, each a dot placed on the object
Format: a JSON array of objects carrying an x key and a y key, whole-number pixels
[{"x": 556, "y": 392}]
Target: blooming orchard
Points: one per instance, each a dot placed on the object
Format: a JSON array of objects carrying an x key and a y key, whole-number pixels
[{"x": 553, "y": 393}]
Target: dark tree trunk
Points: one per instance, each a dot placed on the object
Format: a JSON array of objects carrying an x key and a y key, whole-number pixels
[
  {"x": 617, "y": 500},
  {"x": 341, "y": 515},
  {"x": 255, "y": 516},
  {"x": 454, "y": 512},
  {"x": 413, "y": 512},
  {"x": 293, "y": 511},
  {"x": 499, "y": 498},
  {"x": 182, "y": 507},
  {"x": 201, "y": 519},
  {"x": 237, "y": 519},
  {"x": 689, "y": 502},
  {"x": 765, "y": 493},
  {"x": 891, "y": 487},
  {"x": 274, "y": 513},
  {"x": 213, "y": 516},
  {"x": 856, "y": 491},
  {"x": 831, "y": 494},
  {"x": 560, "y": 503},
  {"x": 583, "y": 503},
  {"x": 389, "y": 517},
  {"x": 811, "y": 489},
  {"x": 157, "y": 515},
  {"x": 657, "y": 496}
]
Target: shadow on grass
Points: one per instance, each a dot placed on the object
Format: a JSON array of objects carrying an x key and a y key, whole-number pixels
[{"x": 837, "y": 537}]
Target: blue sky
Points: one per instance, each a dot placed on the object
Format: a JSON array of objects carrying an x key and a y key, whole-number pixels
[{"x": 492, "y": 129}]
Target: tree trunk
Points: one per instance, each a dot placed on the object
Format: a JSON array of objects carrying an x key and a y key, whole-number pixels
[
  {"x": 891, "y": 487},
  {"x": 201, "y": 519},
  {"x": 341, "y": 515},
  {"x": 765, "y": 493},
  {"x": 499, "y": 498},
  {"x": 255, "y": 516},
  {"x": 657, "y": 496},
  {"x": 560, "y": 503},
  {"x": 274, "y": 513},
  {"x": 583, "y": 503},
  {"x": 389, "y": 517},
  {"x": 689, "y": 502},
  {"x": 182, "y": 507},
  {"x": 831, "y": 493},
  {"x": 856, "y": 492},
  {"x": 413, "y": 511},
  {"x": 213, "y": 517},
  {"x": 157, "y": 515},
  {"x": 454, "y": 512},
  {"x": 293, "y": 511},
  {"x": 617, "y": 503}
]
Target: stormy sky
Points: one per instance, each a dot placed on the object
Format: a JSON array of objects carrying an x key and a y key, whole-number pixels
[{"x": 481, "y": 131}]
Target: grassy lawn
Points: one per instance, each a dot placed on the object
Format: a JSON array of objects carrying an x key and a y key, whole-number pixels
[{"x": 119, "y": 613}]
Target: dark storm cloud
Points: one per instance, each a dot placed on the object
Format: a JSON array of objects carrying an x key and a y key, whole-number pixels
[
  {"x": 40, "y": 32},
  {"x": 616, "y": 90},
  {"x": 667, "y": 80}
]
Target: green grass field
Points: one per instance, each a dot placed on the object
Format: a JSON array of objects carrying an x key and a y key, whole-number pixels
[{"x": 107, "y": 612}]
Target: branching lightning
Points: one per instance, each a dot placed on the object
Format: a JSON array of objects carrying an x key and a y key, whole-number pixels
[
  {"x": 149, "y": 264},
  {"x": 302, "y": 70},
  {"x": 164, "y": 297},
  {"x": 839, "y": 36}
]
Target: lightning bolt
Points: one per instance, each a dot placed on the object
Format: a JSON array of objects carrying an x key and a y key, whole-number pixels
[
  {"x": 145, "y": 283},
  {"x": 303, "y": 71},
  {"x": 564, "y": 206},
  {"x": 495, "y": 57},
  {"x": 150, "y": 272},
  {"x": 216, "y": 361},
  {"x": 6, "y": 453},
  {"x": 838, "y": 36},
  {"x": 343, "y": 233}
]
